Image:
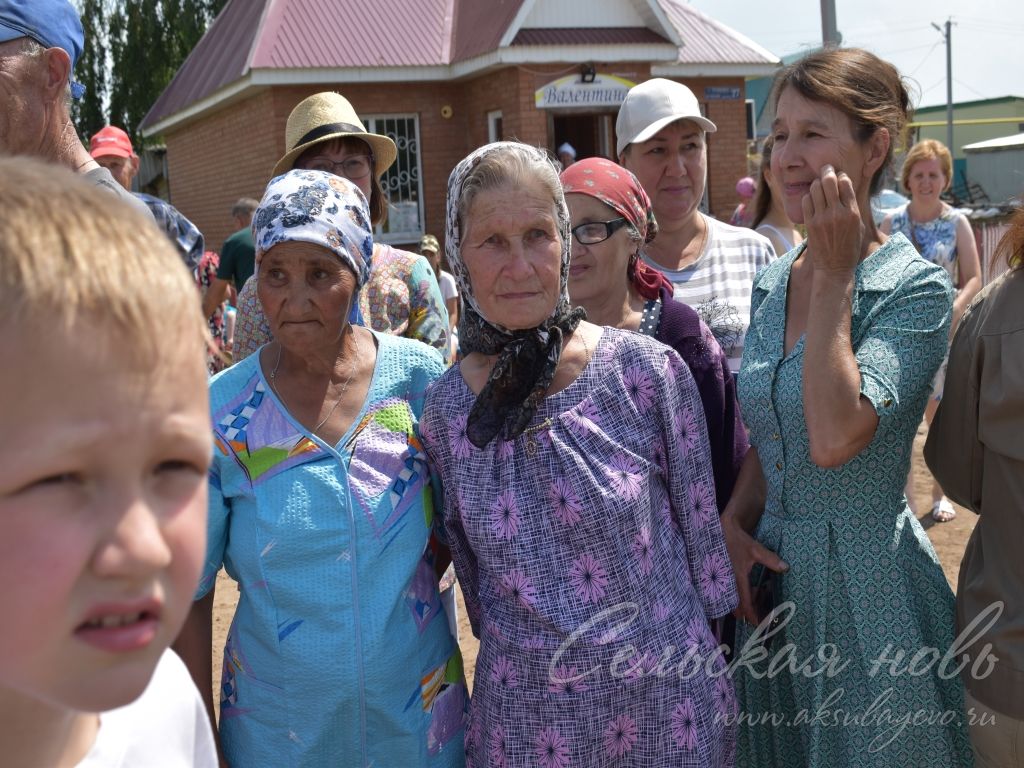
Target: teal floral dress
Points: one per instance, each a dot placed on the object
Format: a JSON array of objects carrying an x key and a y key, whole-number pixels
[{"x": 865, "y": 582}]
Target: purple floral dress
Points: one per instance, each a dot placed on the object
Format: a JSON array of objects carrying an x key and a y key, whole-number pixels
[{"x": 591, "y": 559}]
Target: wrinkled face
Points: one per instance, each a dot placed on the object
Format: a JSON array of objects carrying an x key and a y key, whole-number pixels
[
  {"x": 102, "y": 513},
  {"x": 123, "y": 169},
  {"x": 671, "y": 166},
  {"x": 307, "y": 293},
  {"x": 598, "y": 271},
  {"x": 342, "y": 157},
  {"x": 512, "y": 251},
  {"x": 22, "y": 106},
  {"x": 808, "y": 136},
  {"x": 926, "y": 181}
]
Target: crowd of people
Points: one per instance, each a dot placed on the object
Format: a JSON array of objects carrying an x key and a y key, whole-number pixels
[{"x": 665, "y": 455}]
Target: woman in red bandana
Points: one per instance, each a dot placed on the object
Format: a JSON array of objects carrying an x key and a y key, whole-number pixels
[{"x": 612, "y": 218}]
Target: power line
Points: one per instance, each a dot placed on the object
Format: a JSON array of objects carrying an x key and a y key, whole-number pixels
[
  {"x": 969, "y": 88},
  {"x": 922, "y": 62}
]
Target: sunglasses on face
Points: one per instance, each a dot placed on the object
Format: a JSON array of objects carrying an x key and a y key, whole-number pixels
[{"x": 594, "y": 232}]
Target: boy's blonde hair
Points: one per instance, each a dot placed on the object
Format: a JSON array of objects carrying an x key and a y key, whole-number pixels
[{"x": 70, "y": 252}]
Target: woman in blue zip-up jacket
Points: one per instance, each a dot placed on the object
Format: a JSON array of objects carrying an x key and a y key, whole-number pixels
[{"x": 339, "y": 653}]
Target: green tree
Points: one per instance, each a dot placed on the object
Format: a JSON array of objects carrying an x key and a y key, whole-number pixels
[
  {"x": 132, "y": 50},
  {"x": 90, "y": 112}
]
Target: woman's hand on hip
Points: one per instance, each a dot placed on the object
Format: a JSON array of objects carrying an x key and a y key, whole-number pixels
[
  {"x": 835, "y": 228},
  {"x": 745, "y": 552}
]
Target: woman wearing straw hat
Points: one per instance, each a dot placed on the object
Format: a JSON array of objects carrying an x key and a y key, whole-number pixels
[{"x": 402, "y": 297}]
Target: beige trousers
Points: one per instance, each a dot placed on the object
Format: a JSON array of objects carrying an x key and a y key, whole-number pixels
[{"x": 998, "y": 739}]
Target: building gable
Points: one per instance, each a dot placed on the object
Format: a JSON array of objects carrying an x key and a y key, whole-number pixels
[{"x": 255, "y": 44}]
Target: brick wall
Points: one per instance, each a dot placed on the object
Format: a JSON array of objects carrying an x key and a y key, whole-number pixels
[
  {"x": 727, "y": 147},
  {"x": 230, "y": 153},
  {"x": 216, "y": 160}
]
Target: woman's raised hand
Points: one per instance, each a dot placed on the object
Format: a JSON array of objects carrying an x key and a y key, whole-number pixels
[{"x": 835, "y": 229}]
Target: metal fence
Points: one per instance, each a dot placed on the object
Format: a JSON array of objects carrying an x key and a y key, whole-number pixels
[{"x": 987, "y": 234}]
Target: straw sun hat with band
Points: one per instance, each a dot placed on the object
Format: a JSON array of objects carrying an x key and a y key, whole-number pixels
[{"x": 324, "y": 117}]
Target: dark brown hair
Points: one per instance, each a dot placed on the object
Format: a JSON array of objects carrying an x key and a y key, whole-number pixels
[
  {"x": 867, "y": 89},
  {"x": 378, "y": 201}
]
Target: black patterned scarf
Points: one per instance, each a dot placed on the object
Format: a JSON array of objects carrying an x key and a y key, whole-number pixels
[{"x": 527, "y": 358}]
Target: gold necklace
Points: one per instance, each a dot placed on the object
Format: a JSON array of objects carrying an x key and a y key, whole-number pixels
[
  {"x": 703, "y": 240},
  {"x": 344, "y": 387},
  {"x": 531, "y": 445}
]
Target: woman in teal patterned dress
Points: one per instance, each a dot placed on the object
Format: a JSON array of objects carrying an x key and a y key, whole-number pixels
[{"x": 846, "y": 333}]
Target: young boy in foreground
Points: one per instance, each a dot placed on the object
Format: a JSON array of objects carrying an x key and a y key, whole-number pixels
[{"x": 103, "y": 460}]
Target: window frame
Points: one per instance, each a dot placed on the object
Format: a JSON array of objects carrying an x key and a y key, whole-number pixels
[{"x": 376, "y": 123}]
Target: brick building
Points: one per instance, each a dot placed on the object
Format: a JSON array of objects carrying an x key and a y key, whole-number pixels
[{"x": 441, "y": 77}]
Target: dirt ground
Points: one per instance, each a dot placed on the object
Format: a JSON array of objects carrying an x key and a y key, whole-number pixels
[{"x": 949, "y": 540}]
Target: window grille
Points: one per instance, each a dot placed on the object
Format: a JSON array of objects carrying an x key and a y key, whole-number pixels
[{"x": 402, "y": 182}]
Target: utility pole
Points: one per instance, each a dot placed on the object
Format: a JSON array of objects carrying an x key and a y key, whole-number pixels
[
  {"x": 947, "y": 34},
  {"x": 830, "y": 37}
]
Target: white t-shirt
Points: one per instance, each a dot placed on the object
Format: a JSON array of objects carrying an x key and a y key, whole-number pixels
[
  {"x": 166, "y": 727},
  {"x": 449, "y": 290},
  {"x": 718, "y": 284}
]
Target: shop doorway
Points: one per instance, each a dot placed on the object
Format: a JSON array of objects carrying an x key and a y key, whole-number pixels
[{"x": 592, "y": 135}]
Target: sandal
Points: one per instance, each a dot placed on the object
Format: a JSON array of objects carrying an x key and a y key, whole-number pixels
[{"x": 942, "y": 511}]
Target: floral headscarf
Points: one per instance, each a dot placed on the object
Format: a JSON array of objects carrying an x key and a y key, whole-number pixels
[
  {"x": 319, "y": 208},
  {"x": 620, "y": 190},
  {"x": 527, "y": 358}
]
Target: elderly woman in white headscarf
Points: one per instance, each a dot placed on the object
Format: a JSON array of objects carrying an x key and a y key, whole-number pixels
[
  {"x": 320, "y": 508},
  {"x": 578, "y": 500}
]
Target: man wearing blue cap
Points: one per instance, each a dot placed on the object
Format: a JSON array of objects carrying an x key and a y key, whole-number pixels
[{"x": 40, "y": 41}]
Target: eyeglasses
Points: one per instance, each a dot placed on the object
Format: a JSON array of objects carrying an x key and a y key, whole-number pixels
[
  {"x": 594, "y": 232},
  {"x": 354, "y": 167}
]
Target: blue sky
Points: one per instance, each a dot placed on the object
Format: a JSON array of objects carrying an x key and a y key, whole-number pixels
[{"x": 988, "y": 38}]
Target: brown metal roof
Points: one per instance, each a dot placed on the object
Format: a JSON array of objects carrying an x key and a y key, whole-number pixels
[
  {"x": 589, "y": 36},
  {"x": 220, "y": 58},
  {"x": 706, "y": 41},
  {"x": 479, "y": 26},
  {"x": 355, "y": 33},
  {"x": 363, "y": 34}
]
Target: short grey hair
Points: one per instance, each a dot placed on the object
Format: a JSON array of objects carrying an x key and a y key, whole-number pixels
[
  {"x": 509, "y": 165},
  {"x": 31, "y": 48}
]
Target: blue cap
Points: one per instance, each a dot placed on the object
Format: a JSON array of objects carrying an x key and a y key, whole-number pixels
[{"x": 51, "y": 23}]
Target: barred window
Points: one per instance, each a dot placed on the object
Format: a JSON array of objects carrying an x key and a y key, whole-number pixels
[{"x": 402, "y": 183}]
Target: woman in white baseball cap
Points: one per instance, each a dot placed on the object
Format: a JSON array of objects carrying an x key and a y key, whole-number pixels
[{"x": 661, "y": 138}]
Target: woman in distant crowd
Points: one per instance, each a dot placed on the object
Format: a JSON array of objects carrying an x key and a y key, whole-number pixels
[
  {"x": 661, "y": 138},
  {"x": 578, "y": 499},
  {"x": 942, "y": 235},
  {"x": 746, "y": 188},
  {"x": 975, "y": 450},
  {"x": 320, "y": 508},
  {"x": 402, "y": 297},
  {"x": 769, "y": 217},
  {"x": 846, "y": 333},
  {"x": 217, "y": 355}
]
